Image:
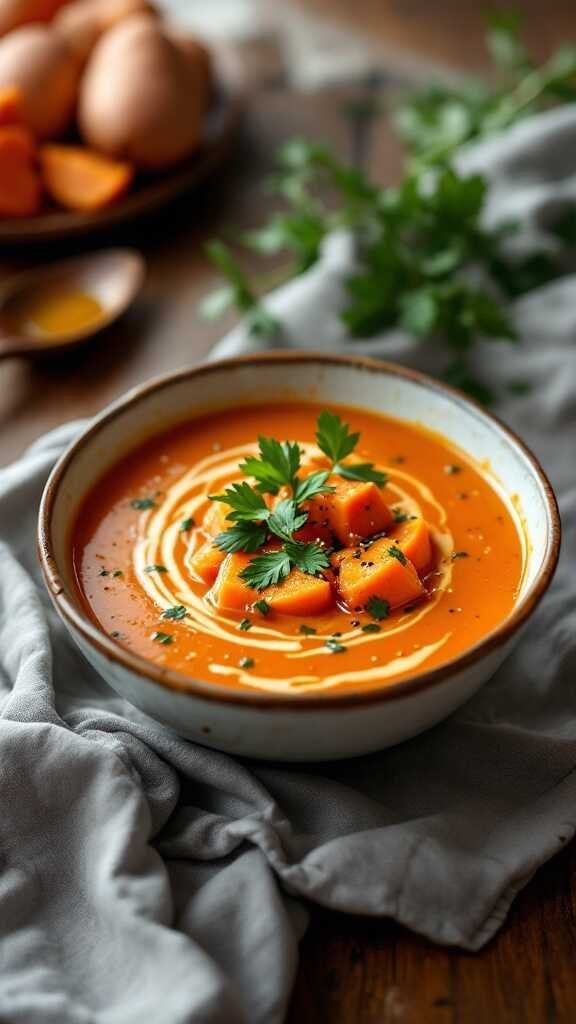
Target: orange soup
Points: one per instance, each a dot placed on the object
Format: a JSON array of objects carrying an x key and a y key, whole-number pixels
[{"x": 360, "y": 551}]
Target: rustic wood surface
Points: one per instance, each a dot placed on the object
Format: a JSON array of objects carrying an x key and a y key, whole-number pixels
[{"x": 353, "y": 971}]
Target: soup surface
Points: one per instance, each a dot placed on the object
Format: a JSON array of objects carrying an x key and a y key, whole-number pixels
[{"x": 406, "y": 555}]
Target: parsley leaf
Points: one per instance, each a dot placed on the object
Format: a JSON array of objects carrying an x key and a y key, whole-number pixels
[
  {"x": 155, "y": 568},
  {"x": 370, "y": 627},
  {"x": 246, "y": 663},
  {"x": 245, "y": 502},
  {"x": 176, "y": 613},
  {"x": 276, "y": 466},
  {"x": 285, "y": 519},
  {"x": 333, "y": 437},
  {"x": 311, "y": 485},
  {"x": 266, "y": 570},
  {"x": 360, "y": 471},
  {"x": 334, "y": 646},
  {"x": 398, "y": 554},
  {"x": 142, "y": 504},
  {"x": 162, "y": 638},
  {"x": 262, "y": 606},
  {"x": 186, "y": 525},
  {"x": 243, "y": 536},
  {"x": 306, "y": 630},
  {"x": 309, "y": 558},
  {"x": 245, "y": 625},
  {"x": 378, "y": 608}
]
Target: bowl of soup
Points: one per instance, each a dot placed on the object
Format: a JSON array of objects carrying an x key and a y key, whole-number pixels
[{"x": 297, "y": 556}]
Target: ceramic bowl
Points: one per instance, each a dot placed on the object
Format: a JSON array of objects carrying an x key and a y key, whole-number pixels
[{"x": 301, "y": 726}]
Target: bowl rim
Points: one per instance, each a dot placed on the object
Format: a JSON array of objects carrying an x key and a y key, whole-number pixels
[{"x": 91, "y": 633}]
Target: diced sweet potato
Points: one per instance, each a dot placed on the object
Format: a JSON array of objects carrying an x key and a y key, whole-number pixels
[
  {"x": 378, "y": 574},
  {"x": 355, "y": 510},
  {"x": 11, "y": 111},
  {"x": 298, "y": 594},
  {"x": 20, "y": 185},
  {"x": 206, "y": 561},
  {"x": 313, "y": 532},
  {"x": 413, "y": 538},
  {"x": 81, "y": 179},
  {"x": 215, "y": 521}
]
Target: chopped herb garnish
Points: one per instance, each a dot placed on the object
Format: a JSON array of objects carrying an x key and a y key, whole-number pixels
[
  {"x": 187, "y": 524},
  {"x": 143, "y": 504},
  {"x": 116, "y": 634},
  {"x": 306, "y": 630},
  {"x": 371, "y": 627},
  {"x": 334, "y": 646},
  {"x": 261, "y": 606},
  {"x": 398, "y": 554},
  {"x": 378, "y": 608},
  {"x": 245, "y": 625},
  {"x": 155, "y": 568},
  {"x": 162, "y": 638},
  {"x": 451, "y": 469},
  {"x": 246, "y": 662},
  {"x": 117, "y": 572},
  {"x": 334, "y": 438},
  {"x": 104, "y": 572},
  {"x": 459, "y": 554},
  {"x": 401, "y": 517},
  {"x": 176, "y": 612}
]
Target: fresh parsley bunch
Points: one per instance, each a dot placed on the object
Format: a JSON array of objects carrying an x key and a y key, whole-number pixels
[{"x": 276, "y": 468}]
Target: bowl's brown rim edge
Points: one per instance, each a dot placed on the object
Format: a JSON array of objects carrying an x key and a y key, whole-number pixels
[{"x": 209, "y": 691}]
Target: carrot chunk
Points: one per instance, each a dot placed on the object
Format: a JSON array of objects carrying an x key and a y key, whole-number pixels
[
  {"x": 80, "y": 179},
  {"x": 355, "y": 510},
  {"x": 206, "y": 561},
  {"x": 378, "y": 574},
  {"x": 413, "y": 538},
  {"x": 298, "y": 594},
  {"x": 20, "y": 185},
  {"x": 11, "y": 111}
]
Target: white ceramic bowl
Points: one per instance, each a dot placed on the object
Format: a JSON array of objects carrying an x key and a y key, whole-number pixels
[{"x": 302, "y": 726}]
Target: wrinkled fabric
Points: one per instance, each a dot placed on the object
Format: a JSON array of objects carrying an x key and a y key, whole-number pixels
[{"x": 145, "y": 878}]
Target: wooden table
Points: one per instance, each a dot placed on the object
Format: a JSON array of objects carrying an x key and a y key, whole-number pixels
[{"x": 353, "y": 971}]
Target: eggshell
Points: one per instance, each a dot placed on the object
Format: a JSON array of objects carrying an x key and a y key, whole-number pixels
[
  {"x": 83, "y": 22},
  {"x": 38, "y": 62}
]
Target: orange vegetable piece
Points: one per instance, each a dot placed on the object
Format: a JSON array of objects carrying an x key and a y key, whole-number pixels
[
  {"x": 313, "y": 532},
  {"x": 206, "y": 561},
  {"x": 377, "y": 573},
  {"x": 298, "y": 594},
  {"x": 355, "y": 510},
  {"x": 215, "y": 520},
  {"x": 80, "y": 179},
  {"x": 20, "y": 185},
  {"x": 11, "y": 111},
  {"x": 413, "y": 538}
]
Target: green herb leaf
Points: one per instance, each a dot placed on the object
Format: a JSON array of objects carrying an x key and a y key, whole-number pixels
[
  {"x": 378, "y": 608},
  {"x": 246, "y": 663},
  {"x": 155, "y": 568},
  {"x": 262, "y": 606},
  {"x": 363, "y": 471},
  {"x": 371, "y": 627},
  {"x": 266, "y": 570},
  {"x": 334, "y": 646},
  {"x": 309, "y": 558},
  {"x": 459, "y": 554},
  {"x": 104, "y": 572},
  {"x": 245, "y": 625},
  {"x": 186, "y": 525},
  {"x": 176, "y": 613},
  {"x": 162, "y": 638},
  {"x": 306, "y": 630},
  {"x": 117, "y": 572},
  {"x": 310, "y": 486},
  {"x": 398, "y": 554},
  {"x": 276, "y": 466},
  {"x": 142, "y": 504},
  {"x": 244, "y": 536},
  {"x": 245, "y": 502},
  {"x": 333, "y": 436},
  {"x": 285, "y": 520}
]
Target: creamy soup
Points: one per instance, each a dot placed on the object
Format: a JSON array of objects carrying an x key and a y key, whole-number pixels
[{"x": 364, "y": 551}]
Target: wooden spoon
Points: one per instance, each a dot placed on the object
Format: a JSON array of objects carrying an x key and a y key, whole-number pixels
[{"x": 111, "y": 277}]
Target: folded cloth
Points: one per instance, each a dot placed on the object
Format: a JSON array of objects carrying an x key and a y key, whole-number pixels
[{"x": 145, "y": 878}]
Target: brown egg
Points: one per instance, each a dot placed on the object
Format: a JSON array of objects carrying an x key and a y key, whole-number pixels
[
  {"x": 36, "y": 60},
  {"x": 82, "y": 23},
  {"x": 14, "y": 13},
  {"x": 141, "y": 98}
]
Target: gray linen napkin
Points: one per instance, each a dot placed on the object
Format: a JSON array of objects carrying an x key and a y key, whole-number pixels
[{"x": 145, "y": 878}]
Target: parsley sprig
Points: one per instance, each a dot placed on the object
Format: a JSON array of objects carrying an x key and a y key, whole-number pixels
[{"x": 275, "y": 469}]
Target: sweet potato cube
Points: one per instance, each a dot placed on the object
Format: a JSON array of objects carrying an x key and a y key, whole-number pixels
[
  {"x": 298, "y": 594},
  {"x": 215, "y": 521},
  {"x": 11, "y": 111},
  {"x": 206, "y": 561},
  {"x": 413, "y": 538},
  {"x": 378, "y": 574},
  {"x": 355, "y": 510},
  {"x": 81, "y": 179},
  {"x": 20, "y": 185}
]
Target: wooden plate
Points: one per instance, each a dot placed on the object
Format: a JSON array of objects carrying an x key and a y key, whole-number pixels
[{"x": 150, "y": 193}]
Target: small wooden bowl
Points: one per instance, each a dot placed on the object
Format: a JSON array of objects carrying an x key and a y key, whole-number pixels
[{"x": 149, "y": 193}]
